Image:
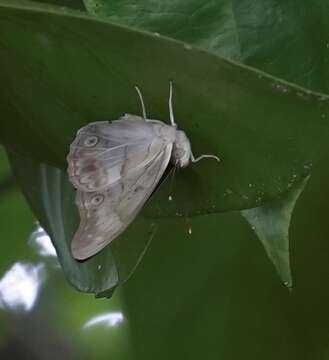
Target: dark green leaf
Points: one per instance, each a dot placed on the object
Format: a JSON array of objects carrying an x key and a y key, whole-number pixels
[
  {"x": 288, "y": 39},
  {"x": 208, "y": 24},
  {"x": 70, "y": 69}
]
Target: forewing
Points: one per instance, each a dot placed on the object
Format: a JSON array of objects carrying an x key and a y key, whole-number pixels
[
  {"x": 105, "y": 215},
  {"x": 103, "y": 151}
]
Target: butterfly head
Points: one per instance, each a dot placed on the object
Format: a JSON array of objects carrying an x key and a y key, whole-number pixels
[{"x": 181, "y": 149}]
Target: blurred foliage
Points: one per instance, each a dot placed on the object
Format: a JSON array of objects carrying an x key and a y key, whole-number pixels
[{"x": 61, "y": 313}]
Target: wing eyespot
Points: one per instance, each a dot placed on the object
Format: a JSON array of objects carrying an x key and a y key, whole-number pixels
[
  {"x": 90, "y": 141},
  {"x": 97, "y": 199}
]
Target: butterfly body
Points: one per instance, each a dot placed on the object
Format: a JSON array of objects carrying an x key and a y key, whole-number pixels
[{"x": 115, "y": 166}]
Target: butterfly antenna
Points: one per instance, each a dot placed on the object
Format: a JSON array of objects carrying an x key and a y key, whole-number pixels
[
  {"x": 141, "y": 100},
  {"x": 171, "y": 112},
  {"x": 194, "y": 160}
]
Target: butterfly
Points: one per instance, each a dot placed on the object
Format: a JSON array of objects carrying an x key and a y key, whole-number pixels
[{"x": 115, "y": 166}]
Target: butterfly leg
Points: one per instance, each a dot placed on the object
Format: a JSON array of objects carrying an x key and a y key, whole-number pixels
[
  {"x": 194, "y": 160},
  {"x": 171, "y": 112},
  {"x": 141, "y": 100}
]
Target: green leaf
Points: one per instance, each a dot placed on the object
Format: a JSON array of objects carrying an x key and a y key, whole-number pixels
[
  {"x": 70, "y": 69},
  {"x": 51, "y": 196},
  {"x": 208, "y": 24},
  {"x": 226, "y": 28},
  {"x": 269, "y": 35},
  {"x": 271, "y": 223}
]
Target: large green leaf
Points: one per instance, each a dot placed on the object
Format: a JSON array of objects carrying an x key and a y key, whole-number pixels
[
  {"x": 69, "y": 69},
  {"x": 230, "y": 29}
]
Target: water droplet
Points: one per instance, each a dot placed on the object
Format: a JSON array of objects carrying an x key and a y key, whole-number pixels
[
  {"x": 301, "y": 95},
  {"x": 187, "y": 46},
  {"x": 169, "y": 197},
  {"x": 190, "y": 230},
  {"x": 280, "y": 87},
  {"x": 156, "y": 34},
  {"x": 99, "y": 267}
]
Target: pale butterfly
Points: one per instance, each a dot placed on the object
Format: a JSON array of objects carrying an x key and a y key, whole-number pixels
[{"x": 115, "y": 166}]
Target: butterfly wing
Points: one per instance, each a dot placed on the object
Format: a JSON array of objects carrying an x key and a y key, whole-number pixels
[
  {"x": 105, "y": 215},
  {"x": 102, "y": 152}
]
